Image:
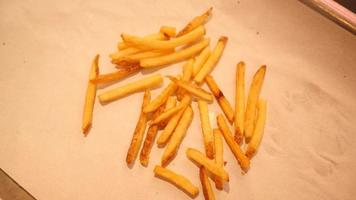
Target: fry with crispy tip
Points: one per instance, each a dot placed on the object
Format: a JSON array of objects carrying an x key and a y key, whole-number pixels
[
  {"x": 213, "y": 59},
  {"x": 219, "y": 160},
  {"x": 252, "y": 101},
  {"x": 153, "y": 36},
  {"x": 187, "y": 74},
  {"x": 161, "y": 98},
  {"x": 168, "y": 31},
  {"x": 208, "y": 164},
  {"x": 205, "y": 183},
  {"x": 241, "y": 158},
  {"x": 206, "y": 129},
  {"x": 258, "y": 131},
  {"x": 201, "y": 59},
  {"x": 177, "y": 137},
  {"x": 139, "y": 85},
  {"x": 139, "y": 131},
  {"x": 90, "y": 97},
  {"x": 115, "y": 76},
  {"x": 178, "y": 180},
  {"x": 195, "y": 22},
  {"x": 220, "y": 97},
  {"x": 240, "y": 102}
]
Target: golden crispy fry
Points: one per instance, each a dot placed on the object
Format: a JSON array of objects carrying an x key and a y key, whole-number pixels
[
  {"x": 168, "y": 31},
  {"x": 115, "y": 76},
  {"x": 207, "y": 190},
  {"x": 206, "y": 129},
  {"x": 220, "y": 97},
  {"x": 252, "y": 100},
  {"x": 213, "y": 59},
  {"x": 139, "y": 131},
  {"x": 191, "y": 37},
  {"x": 193, "y": 89},
  {"x": 134, "y": 59},
  {"x": 90, "y": 97},
  {"x": 197, "y": 21},
  {"x": 259, "y": 128},
  {"x": 149, "y": 140},
  {"x": 177, "y": 137},
  {"x": 140, "y": 85},
  {"x": 187, "y": 74},
  {"x": 161, "y": 98},
  {"x": 153, "y": 36},
  {"x": 171, "y": 103},
  {"x": 176, "y": 56},
  {"x": 201, "y": 59},
  {"x": 240, "y": 102},
  {"x": 234, "y": 147},
  {"x": 219, "y": 160},
  {"x": 124, "y": 52},
  {"x": 178, "y": 180},
  {"x": 208, "y": 164}
]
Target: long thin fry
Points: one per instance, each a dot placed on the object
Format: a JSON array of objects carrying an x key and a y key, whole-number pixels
[
  {"x": 240, "y": 102},
  {"x": 187, "y": 74},
  {"x": 90, "y": 97},
  {"x": 220, "y": 97},
  {"x": 243, "y": 161},
  {"x": 168, "y": 31},
  {"x": 171, "y": 103},
  {"x": 195, "y": 22},
  {"x": 176, "y": 56},
  {"x": 219, "y": 160},
  {"x": 140, "y": 85},
  {"x": 139, "y": 131},
  {"x": 161, "y": 98},
  {"x": 205, "y": 183},
  {"x": 206, "y": 129},
  {"x": 258, "y": 131},
  {"x": 115, "y": 76},
  {"x": 208, "y": 164},
  {"x": 124, "y": 52},
  {"x": 178, "y": 180},
  {"x": 210, "y": 64},
  {"x": 252, "y": 100},
  {"x": 190, "y": 37},
  {"x": 177, "y": 137},
  {"x": 201, "y": 59},
  {"x": 153, "y": 36},
  {"x": 135, "y": 58}
]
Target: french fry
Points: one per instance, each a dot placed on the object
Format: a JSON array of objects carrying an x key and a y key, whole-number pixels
[
  {"x": 115, "y": 76},
  {"x": 201, "y": 59},
  {"x": 214, "y": 57},
  {"x": 140, "y": 85},
  {"x": 149, "y": 140},
  {"x": 220, "y": 97},
  {"x": 240, "y": 102},
  {"x": 187, "y": 74},
  {"x": 207, "y": 190},
  {"x": 258, "y": 131},
  {"x": 188, "y": 38},
  {"x": 134, "y": 59},
  {"x": 208, "y": 164},
  {"x": 124, "y": 52},
  {"x": 219, "y": 160},
  {"x": 139, "y": 131},
  {"x": 195, "y": 22},
  {"x": 192, "y": 89},
  {"x": 243, "y": 161},
  {"x": 177, "y": 137},
  {"x": 161, "y": 98},
  {"x": 171, "y": 103},
  {"x": 178, "y": 180},
  {"x": 206, "y": 129},
  {"x": 153, "y": 36},
  {"x": 252, "y": 100},
  {"x": 90, "y": 97},
  {"x": 176, "y": 56},
  {"x": 168, "y": 31}
]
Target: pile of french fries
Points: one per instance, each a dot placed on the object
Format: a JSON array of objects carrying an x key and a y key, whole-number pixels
[{"x": 170, "y": 113}]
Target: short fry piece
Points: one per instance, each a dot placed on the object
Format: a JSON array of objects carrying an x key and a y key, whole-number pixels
[
  {"x": 240, "y": 102},
  {"x": 187, "y": 74},
  {"x": 207, "y": 190},
  {"x": 139, "y": 131},
  {"x": 145, "y": 83},
  {"x": 197, "y": 21},
  {"x": 176, "y": 56},
  {"x": 208, "y": 164},
  {"x": 118, "y": 75},
  {"x": 161, "y": 98},
  {"x": 176, "y": 179},
  {"x": 252, "y": 100},
  {"x": 90, "y": 97},
  {"x": 201, "y": 59},
  {"x": 153, "y": 36},
  {"x": 219, "y": 160},
  {"x": 258, "y": 131},
  {"x": 169, "y": 31},
  {"x": 243, "y": 161},
  {"x": 193, "y": 89},
  {"x": 220, "y": 97},
  {"x": 177, "y": 137},
  {"x": 206, "y": 129},
  {"x": 171, "y": 103},
  {"x": 210, "y": 64}
]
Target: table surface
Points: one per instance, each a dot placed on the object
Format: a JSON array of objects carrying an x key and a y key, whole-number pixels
[{"x": 46, "y": 50}]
